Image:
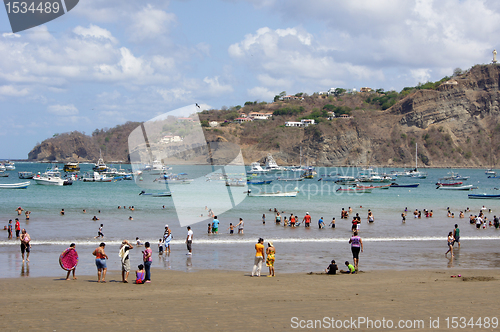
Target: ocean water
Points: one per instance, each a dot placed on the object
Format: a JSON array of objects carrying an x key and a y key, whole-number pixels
[{"x": 419, "y": 243}]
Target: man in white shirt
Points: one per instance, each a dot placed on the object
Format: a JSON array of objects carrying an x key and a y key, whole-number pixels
[{"x": 189, "y": 240}]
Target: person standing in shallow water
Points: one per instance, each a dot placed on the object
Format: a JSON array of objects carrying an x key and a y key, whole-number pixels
[
  {"x": 25, "y": 244},
  {"x": 356, "y": 246}
]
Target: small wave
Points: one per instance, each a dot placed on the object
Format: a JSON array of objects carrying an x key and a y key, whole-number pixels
[{"x": 216, "y": 241}]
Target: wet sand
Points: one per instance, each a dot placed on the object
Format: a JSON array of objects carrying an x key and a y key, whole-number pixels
[{"x": 233, "y": 301}]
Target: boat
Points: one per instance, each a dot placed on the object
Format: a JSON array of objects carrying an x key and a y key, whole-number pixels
[
  {"x": 3, "y": 174},
  {"x": 369, "y": 175},
  {"x": 256, "y": 168},
  {"x": 449, "y": 184},
  {"x": 2, "y": 168},
  {"x": 235, "y": 183},
  {"x": 96, "y": 177},
  {"x": 274, "y": 194},
  {"x": 464, "y": 187},
  {"x": 157, "y": 168},
  {"x": 490, "y": 172},
  {"x": 289, "y": 179},
  {"x": 174, "y": 179},
  {"x": 271, "y": 165},
  {"x": 162, "y": 194},
  {"x": 25, "y": 175},
  {"x": 309, "y": 173},
  {"x": 484, "y": 196},
  {"x": 405, "y": 185},
  {"x": 51, "y": 177},
  {"x": 9, "y": 166},
  {"x": 21, "y": 185},
  {"x": 346, "y": 180},
  {"x": 359, "y": 190},
  {"x": 259, "y": 181},
  {"x": 71, "y": 167},
  {"x": 454, "y": 177},
  {"x": 100, "y": 166}
]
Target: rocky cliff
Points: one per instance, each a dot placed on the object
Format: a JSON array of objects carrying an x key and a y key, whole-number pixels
[{"x": 454, "y": 125}]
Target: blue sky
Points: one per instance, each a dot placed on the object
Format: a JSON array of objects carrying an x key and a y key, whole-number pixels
[{"x": 111, "y": 61}]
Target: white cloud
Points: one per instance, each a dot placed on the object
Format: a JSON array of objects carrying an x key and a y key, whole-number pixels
[
  {"x": 150, "y": 23},
  {"x": 11, "y": 35},
  {"x": 94, "y": 31},
  {"x": 63, "y": 110},
  {"x": 214, "y": 86},
  {"x": 12, "y": 91},
  {"x": 261, "y": 93}
]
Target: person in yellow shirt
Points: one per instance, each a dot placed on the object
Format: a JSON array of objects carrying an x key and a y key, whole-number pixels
[{"x": 259, "y": 257}]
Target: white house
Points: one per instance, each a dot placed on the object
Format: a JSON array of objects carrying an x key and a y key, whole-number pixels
[
  {"x": 242, "y": 120},
  {"x": 213, "y": 123},
  {"x": 303, "y": 123}
]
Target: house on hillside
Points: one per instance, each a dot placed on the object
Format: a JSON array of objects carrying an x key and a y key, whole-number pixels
[
  {"x": 260, "y": 116},
  {"x": 213, "y": 124},
  {"x": 291, "y": 97},
  {"x": 242, "y": 120},
  {"x": 344, "y": 116},
  {"x": 302, "y": 124},
  {"x": 365, "y": 90}
]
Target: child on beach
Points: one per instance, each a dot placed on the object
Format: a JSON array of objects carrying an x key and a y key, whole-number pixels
[
  {"x": 140, "y": 274},
  {"x": 160, "y": 247},
  {"x": 138, "y": 242},
  {"x": 99, "y": 232},
  {"x": 332, "y": 223},
  {"x": 332, "y": 268},
  {"x": 230, "y": 228},
  {"x": 350, "y": 268},
  {"x": 403, "y": 217},
  {"x": 263, "y": 219},
  {"x": 209, "y": 228}
]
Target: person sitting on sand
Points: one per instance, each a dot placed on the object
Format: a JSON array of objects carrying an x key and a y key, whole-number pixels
[
  {"x": 332, "y": 268},
  {"x": 140, "y": 274},
  {"x": 350, "y": 268},
  {"x": 138, "y": 242}
]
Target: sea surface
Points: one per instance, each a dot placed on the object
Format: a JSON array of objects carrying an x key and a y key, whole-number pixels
[{"x": 388, "y": 243}]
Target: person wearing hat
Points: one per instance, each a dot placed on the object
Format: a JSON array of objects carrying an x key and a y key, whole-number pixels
[
  {"x": 307, "y": 219},
  {"x": 259, "y": 257},
  {"x": 270, "y": 252},
  {"x": 167, "y": 237}
]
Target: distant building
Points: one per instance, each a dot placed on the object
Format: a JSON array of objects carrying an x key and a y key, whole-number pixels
[
  {"x": 170, "y": 139},
  {"x": 365, "y": 90},
  {"x": 260, "y": 116},
  {"x": 213, "y": 123},
  {"x": 303, "y": 123},
  {"x": 242, "y": 120},
  {"x": 291, "y": 97}
]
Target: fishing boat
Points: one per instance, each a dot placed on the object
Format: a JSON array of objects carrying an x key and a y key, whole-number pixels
[
  {"x": 25, "y": 175},
  {"x": 274, "y": 194},
  {"x": 21, "y": 185},
  {"x": 96, "y": 177},
  {"x": 100, "y": 166},
  {"x": 484, "y": 196},
  {"x": 271, "y": 165},
  {"x": 490, "y": 172},
  {"x": 359, "y": 190},
  {"x": 9, "y": 166},
  {"x": 258, "y": 182},
  {"x": 235, "y": 183},
  {"x": 71, "y": 167},
  {"x": 405, "y": 185},
  {"x": 162, "y": 194},
  {"x": 449, "y": 184},
  {"x": 256, "y": 168},
  {"x": 454, "y": 177},
  {"x": 346, "y": 180},
  {"x": 157, "y": 168},
  {"x": 309, "y": 173},
  {"x": 2, "y": 167},
  {"x": 464, "y": 187},
  {"x": 51, "y": 177},
  {"x": 3, "y": 174},
  {"x": 369, "y": 175},
  {"x": 289, "y": 179}
]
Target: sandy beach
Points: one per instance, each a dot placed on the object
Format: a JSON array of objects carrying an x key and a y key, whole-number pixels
[{"x": 212, "y": 300}]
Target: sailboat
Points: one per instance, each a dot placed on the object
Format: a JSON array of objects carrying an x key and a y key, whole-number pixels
[{"x": 415, "y": 173}]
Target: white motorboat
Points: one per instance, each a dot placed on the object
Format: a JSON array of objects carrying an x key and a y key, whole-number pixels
[
  {"x": 464, "y": 187},
  {"x": 96, "y": 177},
  {"x": 100, "y": 166},
  {"x": 21, "y": 185},
  {"x": 49, "y": 178},
  {"x": 2, "y": 168},
  {"x": 157, "y": 168},
  {"x": 9, "y": 166},
  {"x": 271, "y": 164},
  {"x": 3, "y": 174},
  {"x": 256, "y": 168}
]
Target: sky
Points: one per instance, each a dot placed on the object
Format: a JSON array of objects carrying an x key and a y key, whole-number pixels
[{"x": 110, "y": 61}]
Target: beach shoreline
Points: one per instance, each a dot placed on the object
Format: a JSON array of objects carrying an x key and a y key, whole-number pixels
[{"x": 217, "y": 300}]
